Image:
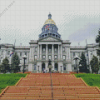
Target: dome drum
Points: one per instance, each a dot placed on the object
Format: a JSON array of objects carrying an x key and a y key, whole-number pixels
[{"x": 49, "y": 29}]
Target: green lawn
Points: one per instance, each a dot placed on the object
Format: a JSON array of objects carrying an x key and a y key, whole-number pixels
[
  {"x": 90, "y": 79},
  {"x": 9, "y": 79}
]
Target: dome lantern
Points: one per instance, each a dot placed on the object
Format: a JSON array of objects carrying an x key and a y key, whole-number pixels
[
  {"x": 49, "y": 16},
  {"x": 49, "y": 29}
]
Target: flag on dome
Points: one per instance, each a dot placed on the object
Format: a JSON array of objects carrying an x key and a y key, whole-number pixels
[
  {"x": 11, "y": 53},
  {"x": 47, "y": 26}
]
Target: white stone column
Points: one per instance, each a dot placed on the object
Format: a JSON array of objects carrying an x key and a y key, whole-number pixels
[
  {"x": 69, "y": 53},
  {"x": 33, "y": 53},
  {"x": 52, "y": 51},
  {"x": 40, "y": 67},
  {"x": 61, "y": 52},
  {"x": 62, "y": 69},
  {"x": 40, "y": 51},
  {"x": 52, "y": 65},
  {"x": 46, "y": 51},
  {"x": 66, "y": 53},
  {"x": 58, "y": 53},
  {"x": 46, "y": 66},
  {"x": 30, "y": 55}
]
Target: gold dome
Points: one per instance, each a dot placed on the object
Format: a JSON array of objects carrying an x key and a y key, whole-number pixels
[{"x": 49, "y": 21}]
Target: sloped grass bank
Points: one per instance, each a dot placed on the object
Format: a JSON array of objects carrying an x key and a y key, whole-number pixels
[
  {"x": 90, "y": 79},
  {"x": 9, "y": 79}
]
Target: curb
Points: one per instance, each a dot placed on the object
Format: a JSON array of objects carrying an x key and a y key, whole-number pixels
[
  {"x": 4, "y": 91},
  {"x": 18, "y": 81}
]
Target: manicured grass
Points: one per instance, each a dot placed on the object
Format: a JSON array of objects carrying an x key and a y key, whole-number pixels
[
  {"x": 90, "y": 79},
  {"x": 9, "y": 79}
]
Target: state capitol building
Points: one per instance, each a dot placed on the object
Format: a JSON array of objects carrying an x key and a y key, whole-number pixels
[{"x": 49, "y": 46}]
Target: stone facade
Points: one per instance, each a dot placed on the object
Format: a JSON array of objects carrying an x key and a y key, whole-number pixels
[{"x": 49, "y": 46}]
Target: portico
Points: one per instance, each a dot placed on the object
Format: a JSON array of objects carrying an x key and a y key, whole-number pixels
[{"x": 50, "y": 46}]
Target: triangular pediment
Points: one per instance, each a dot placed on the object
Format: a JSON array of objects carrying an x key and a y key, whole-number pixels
[{"x": 50, "y": 39}]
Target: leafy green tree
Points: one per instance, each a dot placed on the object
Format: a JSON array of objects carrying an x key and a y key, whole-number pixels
[
  {"x": 98, "y": 41},
  {"x": 83, "y": 68},
  {"x": 5, "y": 65},
  {"x": 15, "y": 63},
  {"x": 94, "y": 64},
  {"x": 98, "y": 50}
]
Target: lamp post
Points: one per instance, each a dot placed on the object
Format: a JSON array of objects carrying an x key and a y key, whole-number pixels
[
  {"x": 24, "y": 57},
  {"x": 76, "y": 58}
]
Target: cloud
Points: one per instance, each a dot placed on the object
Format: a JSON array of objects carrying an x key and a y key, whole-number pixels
[{"x": 90, "y": 30}]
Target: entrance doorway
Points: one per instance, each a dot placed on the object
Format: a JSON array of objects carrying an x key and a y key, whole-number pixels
[
  {"x": 43, "y": 66},
  {"x": 49, "y": 69},
  {"x": 56, "y": 66}
]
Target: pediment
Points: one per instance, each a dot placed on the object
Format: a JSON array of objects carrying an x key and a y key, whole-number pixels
[{"x": 50, "y": 39}]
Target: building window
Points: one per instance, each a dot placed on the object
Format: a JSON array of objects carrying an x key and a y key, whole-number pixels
[
  {"x": 20, "y": 53},
  {"x": 50, "y": 57},
  {"x": 49, "y": 50},
  {"x": 55, "y": 57},
  {"x": 73, "y": 54},
  {"x": 64, "y": 57},
  {"x": 43, "y": 49},
  {"x": 63, "y": 49},
  {"x": 55, "y": 49},
  {"x": 35, "y": 57},
  {"x": 43, "y": 57},
  {"x": 34, "y": 67}
]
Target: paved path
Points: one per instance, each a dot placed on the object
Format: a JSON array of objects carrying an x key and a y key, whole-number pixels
[{"x": 51, "y": 86}]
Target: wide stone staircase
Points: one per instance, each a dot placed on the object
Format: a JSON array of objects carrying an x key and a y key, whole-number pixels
[{"x": 51, "y": 86}]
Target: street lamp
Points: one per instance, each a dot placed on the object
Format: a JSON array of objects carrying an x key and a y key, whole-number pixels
[
  {"x": 24, "y": 57},
  {"x": 76, "y": 58}
]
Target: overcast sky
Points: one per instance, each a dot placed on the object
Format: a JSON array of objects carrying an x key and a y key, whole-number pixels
[{"x": 77, "y": 20}]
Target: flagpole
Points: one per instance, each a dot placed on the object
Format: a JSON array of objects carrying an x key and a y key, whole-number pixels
[{"x": 14, "y": 46}]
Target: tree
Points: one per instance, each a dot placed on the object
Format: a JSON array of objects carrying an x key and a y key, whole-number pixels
[
  {"x": 83, "y": 68},
  {"x": 94, "y": 64},
  {"x": 98, "y": 41},
  {"x": 5, "y": 65},
  {"x": 15, "y": 61}
]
